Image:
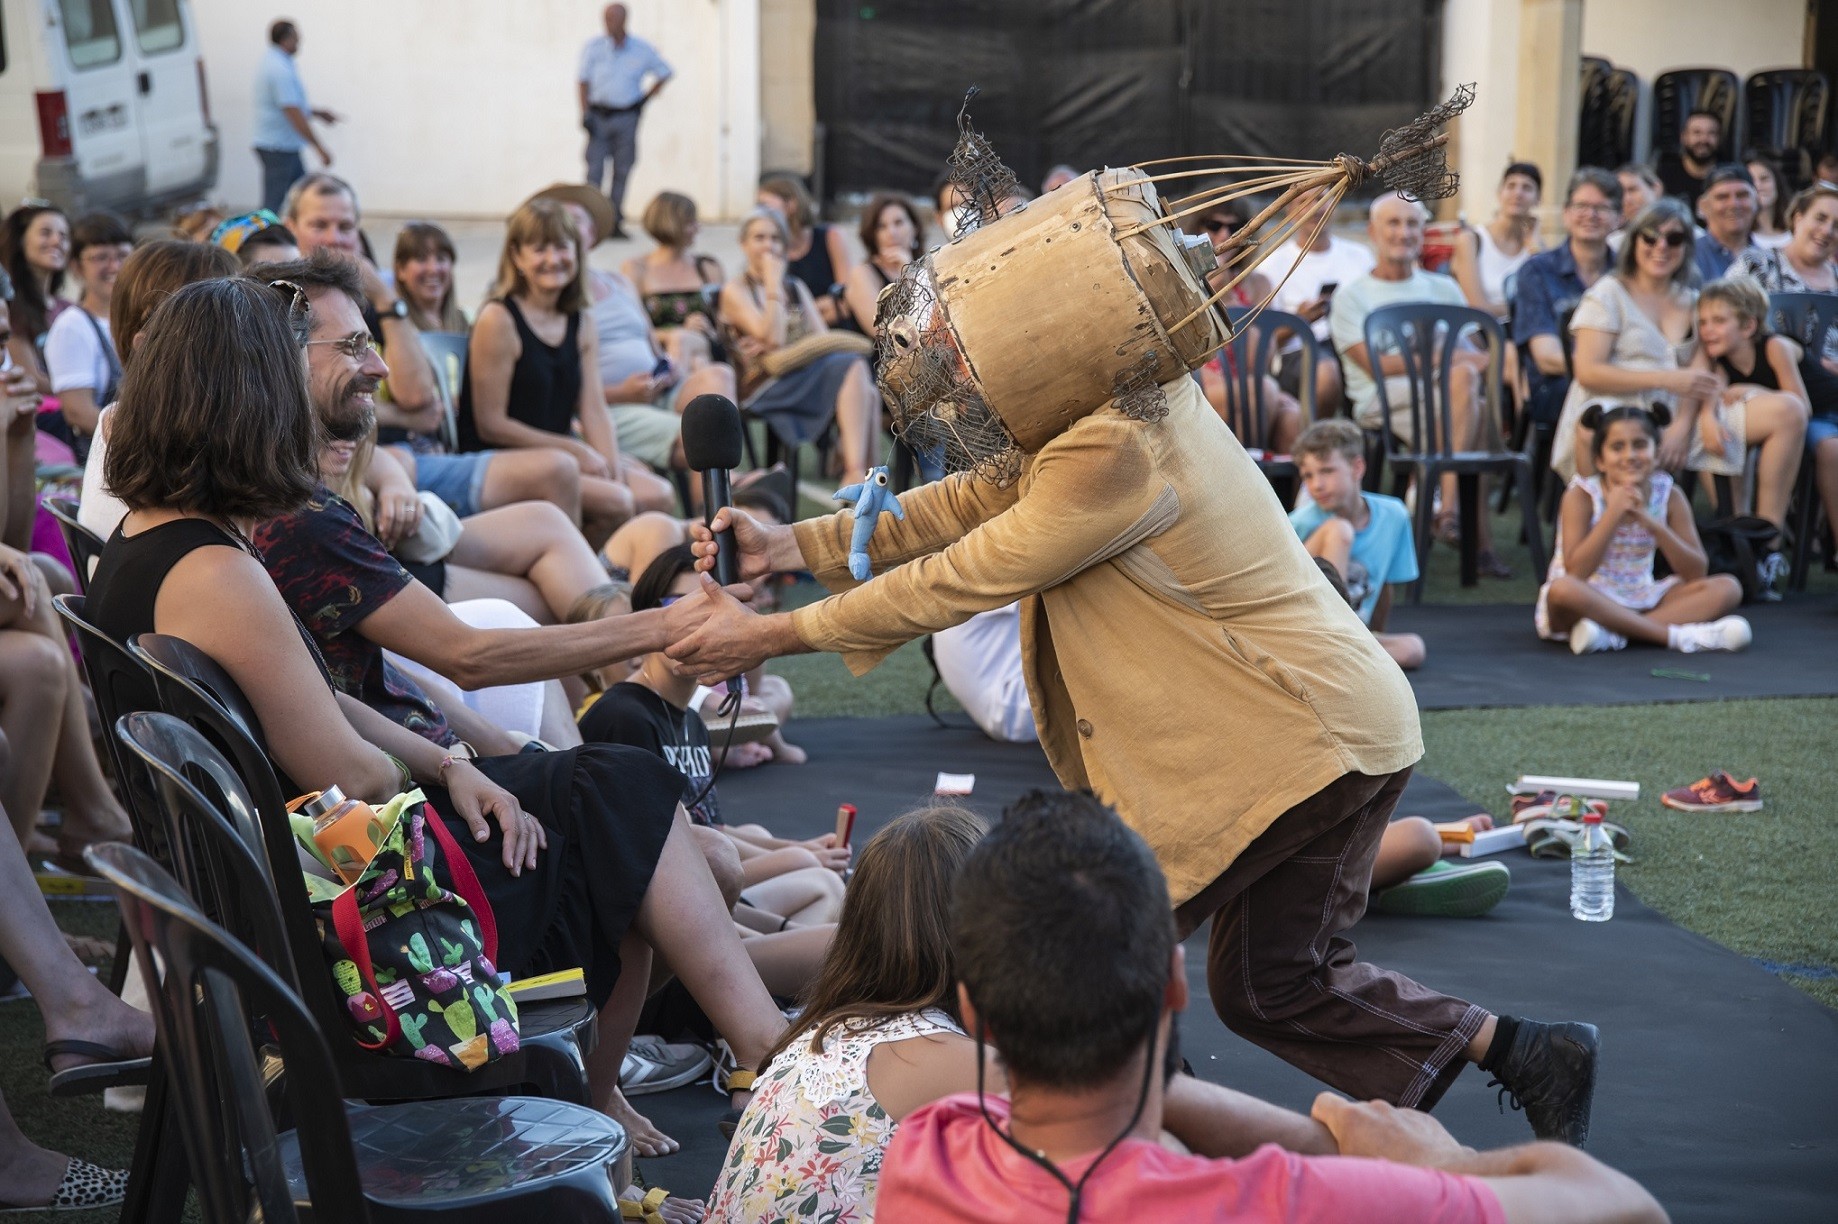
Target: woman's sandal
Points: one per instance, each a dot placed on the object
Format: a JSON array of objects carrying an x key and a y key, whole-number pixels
[
  {"x": 84, "y": 1188},
  {"x": 739, "y": 1080},
  {"x": 111, "y": 1068},
  {"x": 647, "y": 1210}
]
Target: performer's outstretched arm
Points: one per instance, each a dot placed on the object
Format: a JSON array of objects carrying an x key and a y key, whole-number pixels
[{"x": 1094, "y": 492}]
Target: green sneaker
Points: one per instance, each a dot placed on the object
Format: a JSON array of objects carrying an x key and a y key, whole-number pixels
[{"x": 1447, "y": 890}]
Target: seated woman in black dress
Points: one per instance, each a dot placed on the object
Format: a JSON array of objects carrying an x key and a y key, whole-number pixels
[
  {"x": 533, "y": 371},
  {"x": 586, "y": 855}
]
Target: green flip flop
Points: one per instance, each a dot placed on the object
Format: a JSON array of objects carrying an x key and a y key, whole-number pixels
[{"x": 1447, "y": 889}]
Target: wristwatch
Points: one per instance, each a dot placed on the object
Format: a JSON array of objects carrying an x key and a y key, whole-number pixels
[{"x": 397, "y": 309}]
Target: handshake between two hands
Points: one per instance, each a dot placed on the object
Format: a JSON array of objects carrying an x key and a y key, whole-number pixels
[{"x": 714, "y": 635}]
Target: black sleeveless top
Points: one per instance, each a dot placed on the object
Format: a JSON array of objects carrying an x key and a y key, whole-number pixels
[
  {"x": 132, "y": 569},
  {"x": 1821, "y": 383},
  {"x": 545, "y": 382},
  {"x": 814, "y": 267}
]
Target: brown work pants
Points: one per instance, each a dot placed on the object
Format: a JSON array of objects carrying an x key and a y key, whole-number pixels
[{"x": 1282, "y": 976}]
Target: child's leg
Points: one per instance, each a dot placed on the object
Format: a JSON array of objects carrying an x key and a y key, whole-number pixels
[
  {"x": 1777, "y": 424},
  {"x": 1569, "y": 600},
  {"x": 1332, "y": 542},
  {"x": 1407, "y": 847},
  {"x": 1702, "y": 599},
  {"x": 1285, "y": 418},
  {"x": 1406, "y": 649},
  {"x": 805, "y": 897},
  {"x": 758, "y": 868}
]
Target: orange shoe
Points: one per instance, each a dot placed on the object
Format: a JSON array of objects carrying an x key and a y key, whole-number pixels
[{"x": 1717, "y": 793}]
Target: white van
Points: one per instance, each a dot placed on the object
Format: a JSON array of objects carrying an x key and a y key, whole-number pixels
[{"x": 103, "y": 105}]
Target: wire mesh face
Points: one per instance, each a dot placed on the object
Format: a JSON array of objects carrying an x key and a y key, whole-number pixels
[
  {"x": 936, "y": 406},
  {"x": 1421, "y": 171}
]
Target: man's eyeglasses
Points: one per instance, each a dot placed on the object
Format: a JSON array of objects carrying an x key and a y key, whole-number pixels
[
  {"x": 1578, "y": 206},
  {"x": 1670, "y": 238},
  {"x": 356, "y": 346}
]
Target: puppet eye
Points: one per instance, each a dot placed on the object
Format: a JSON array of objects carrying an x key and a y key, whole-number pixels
[
  {"x": 903, "y": 334},
  {"x": 880, "y": 478}
]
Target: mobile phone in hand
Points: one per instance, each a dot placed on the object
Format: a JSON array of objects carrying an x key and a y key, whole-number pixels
[
  {"x": 661, "y": 369},
  {"x": 1327, "y": 289},
  {"x": 845, "y": 823}
]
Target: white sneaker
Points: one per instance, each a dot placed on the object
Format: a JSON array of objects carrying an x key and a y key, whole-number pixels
[
  {"x": 1588, "y": 637},
  {"x": 1730, "y": 633}
]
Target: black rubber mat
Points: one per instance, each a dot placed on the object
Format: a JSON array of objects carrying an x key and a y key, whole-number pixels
[
  {"x": 1719, "y": 1083},
  {"x": 1489, "y": 655}
]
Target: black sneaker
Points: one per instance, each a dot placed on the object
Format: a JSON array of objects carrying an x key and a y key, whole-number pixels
[{"x": 1550, "y": 1073}]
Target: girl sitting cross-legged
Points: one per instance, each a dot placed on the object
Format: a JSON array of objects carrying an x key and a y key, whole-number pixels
[{"x": 1601, "y": 592}]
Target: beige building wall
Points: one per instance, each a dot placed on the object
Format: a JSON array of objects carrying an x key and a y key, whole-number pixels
[
  {"x": 463, "y": 109},
  {"x": 1482, "y": 43},
  {"x": 788, "y": 84}
]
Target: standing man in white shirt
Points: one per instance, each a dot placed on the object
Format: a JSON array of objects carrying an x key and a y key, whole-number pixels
[
  {"x": 613, "y": 72},
  {"x": 283, "y": 121},
  {"x": 1321, "y": 266}
]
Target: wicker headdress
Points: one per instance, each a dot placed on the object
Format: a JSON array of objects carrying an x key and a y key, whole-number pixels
[{"x": 1037, "y": 314}]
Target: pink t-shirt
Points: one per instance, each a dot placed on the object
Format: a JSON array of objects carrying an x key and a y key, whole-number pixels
[{"x": 945, "y": 1164}]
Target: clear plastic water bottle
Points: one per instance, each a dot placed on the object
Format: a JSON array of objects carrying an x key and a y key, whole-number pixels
[{"x": 1592, "y": 872}]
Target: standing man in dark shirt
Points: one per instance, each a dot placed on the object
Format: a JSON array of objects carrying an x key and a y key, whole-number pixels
[
  {"x": 1697, "y": 152},
  {"x": 613, "y": 75}
]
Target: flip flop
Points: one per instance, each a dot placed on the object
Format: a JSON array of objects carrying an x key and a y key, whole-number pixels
[
  {"x": 112, "y": 1069},
  {"x": 647, "y": 1210},
  {"x": 85, "y": 1187}
]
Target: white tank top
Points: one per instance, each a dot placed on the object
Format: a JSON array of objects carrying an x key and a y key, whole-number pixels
[{"x": 1496, "y": 265}]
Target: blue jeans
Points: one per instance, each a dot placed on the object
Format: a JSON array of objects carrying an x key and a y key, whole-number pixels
[{"x": 281, "y": 169}]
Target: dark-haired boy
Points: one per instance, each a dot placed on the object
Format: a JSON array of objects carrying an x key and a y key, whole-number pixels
[{"x": 1069, "y": 966}]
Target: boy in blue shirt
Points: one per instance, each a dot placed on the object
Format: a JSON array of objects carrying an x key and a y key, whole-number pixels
[{"x": 1366, "y": 537}]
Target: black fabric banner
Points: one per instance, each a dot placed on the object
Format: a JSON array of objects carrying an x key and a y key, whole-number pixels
[{"x": 1095, "y": 82}]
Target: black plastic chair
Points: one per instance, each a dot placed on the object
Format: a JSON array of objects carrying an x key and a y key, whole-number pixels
[
  {"x": 1426, "y": 335},
  {"x": 556, "y": 1036},
  {"x": 1243, "y": 364},
  {"x": 480, "y": 1160},
  {"x": 1807, "y": 319},
  {"x": 1683, "y": 90},
  {"x": 1788, "y": 115},
  {"x": 85, "y": 545}
]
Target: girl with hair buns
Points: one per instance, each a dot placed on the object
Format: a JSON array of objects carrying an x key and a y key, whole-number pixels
[{"x": 1601, "y": 592}]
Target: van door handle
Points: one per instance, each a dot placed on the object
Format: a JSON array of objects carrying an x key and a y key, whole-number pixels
[{"x": 146, "y": 82}]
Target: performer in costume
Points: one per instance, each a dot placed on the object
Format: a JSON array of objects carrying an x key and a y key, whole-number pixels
[{"x": 1185, "y": 658}]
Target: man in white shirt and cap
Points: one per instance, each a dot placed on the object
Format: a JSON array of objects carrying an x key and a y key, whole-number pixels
[{"x": 613, "y": 76}]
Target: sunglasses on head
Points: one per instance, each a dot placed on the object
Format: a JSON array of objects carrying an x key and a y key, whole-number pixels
[{"x": 1670, "y": 238}]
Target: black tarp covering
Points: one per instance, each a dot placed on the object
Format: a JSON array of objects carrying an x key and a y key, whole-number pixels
[{"x": 1093, "y": 82}]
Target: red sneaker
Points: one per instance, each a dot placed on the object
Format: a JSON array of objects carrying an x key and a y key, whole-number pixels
[{"x": 1717, "y": 793}]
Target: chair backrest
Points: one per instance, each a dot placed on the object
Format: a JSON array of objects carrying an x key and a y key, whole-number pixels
[
  {"x": 195, "y": 689},
  {"x": 1426, "y": 334},
  {"x": 122, "y": 685},
  {"x": 1805, "y": 318},
  {"x": 85, "y": 545},
  {"x": 1788, "y": 116},
  {"x": 211, "y": 985},
  {"x": 1683, "y": 90},
  {"x": 213, "y": 831},
  {"x": 1245, "y": 360},
  {"x": 1605, "y": 113},
  {"x": 447, "y": 354}
]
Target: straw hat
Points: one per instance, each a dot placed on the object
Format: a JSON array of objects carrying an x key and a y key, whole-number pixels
[{"x": 595, "y": 202}]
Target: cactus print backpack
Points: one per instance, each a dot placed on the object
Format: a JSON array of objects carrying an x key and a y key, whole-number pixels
[{"x": 411, "y": 944}]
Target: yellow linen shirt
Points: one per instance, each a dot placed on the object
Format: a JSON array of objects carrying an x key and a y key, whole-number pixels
[{"x": 1185, "y": 658}]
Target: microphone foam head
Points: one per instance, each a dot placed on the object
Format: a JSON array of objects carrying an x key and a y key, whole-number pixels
[{"x": 712, "y": 435}]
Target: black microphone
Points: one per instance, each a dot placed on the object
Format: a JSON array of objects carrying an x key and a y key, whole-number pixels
[{"x": 712, "y": 444}]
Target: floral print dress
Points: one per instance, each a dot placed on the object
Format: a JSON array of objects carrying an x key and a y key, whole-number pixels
[{"x": 809, "y": 1144}]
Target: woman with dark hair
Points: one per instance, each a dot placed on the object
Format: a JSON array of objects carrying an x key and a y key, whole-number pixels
[
  {"x": 1486, "y": 255},
  {"x": 80, "y": 354},
  {"x": 215, "y": 433},
  {"x": 1635, "y": 332},
  {"x": 35, "y": 248},
  {"x": 424, "y": 277},
  {"x": 148, "y": 277},
  {"x": 815, "y": 254},
  {"x": 893, "y": 236},
  {"x": 1772, "y": 228}
]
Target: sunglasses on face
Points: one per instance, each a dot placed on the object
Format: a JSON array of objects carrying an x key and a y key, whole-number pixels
[
  {"x": 1215, "y": 225},
  {"x": 1668, "y": 238}
]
